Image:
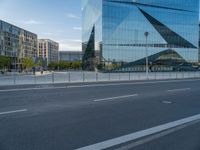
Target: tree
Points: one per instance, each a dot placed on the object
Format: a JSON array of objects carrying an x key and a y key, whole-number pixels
[
  {"x": 99, "y": 66},
  {"x": 76, "y": 65},
  {"x": 28, "y": 63},
  {"x": 41, "y": 62},
  {"x": 5, "y": 62},
  {"x": 64, "y": 65},
  {"x": 53, "y": 65}
]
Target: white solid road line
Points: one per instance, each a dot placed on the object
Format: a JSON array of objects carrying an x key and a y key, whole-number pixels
[
  {"x": 132, "y": 83},
  {"x": 114, "y": 98},
  {"x": 156, "y": 136},
  {"x": 30, "y": 89},
  {"x": 140, "y": 134},
  {"x": 14, "y": 111},
  {"x": 179, "y": 90}
]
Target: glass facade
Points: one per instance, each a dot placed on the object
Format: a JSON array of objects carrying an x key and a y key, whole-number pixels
[
  {"x": 119, "y": 27},
  {"x": 92, "y": 32},
  {"x": 17, "y": 43},
  {"x": 70, "y": 56}
]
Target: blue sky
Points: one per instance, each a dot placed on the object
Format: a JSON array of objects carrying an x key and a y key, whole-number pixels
[{"x": 59, "y": 20}]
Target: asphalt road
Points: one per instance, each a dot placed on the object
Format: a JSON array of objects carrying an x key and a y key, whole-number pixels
[{"x": 72, "y": 116}]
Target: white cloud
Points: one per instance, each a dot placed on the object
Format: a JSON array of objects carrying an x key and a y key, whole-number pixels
[
  {"x": 77, "y": 28},
  {"x": 32, "y": 22},
  {"x": 71, "y": 40},
  {"x": 73, "y": 16},
  {"x": 60, "y": 31},
  {"x": 70, "y": 45},
  {"x": 47, "y": 33},
  {"x": 78, "y": 41}
]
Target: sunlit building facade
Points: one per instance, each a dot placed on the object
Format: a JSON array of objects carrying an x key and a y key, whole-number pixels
[
  {"x": 113, "y": 33},
  {"x": 17, "y": 43},
  {"x": 48, "y": 50}
]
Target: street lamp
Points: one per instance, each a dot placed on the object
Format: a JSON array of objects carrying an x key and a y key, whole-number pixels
[{"x": 146, "y": 34}]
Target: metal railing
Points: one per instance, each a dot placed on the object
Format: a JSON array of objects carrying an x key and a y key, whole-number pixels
[{"x": 81, "y": 76}]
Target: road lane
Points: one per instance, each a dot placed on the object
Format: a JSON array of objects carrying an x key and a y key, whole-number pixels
[
  {"x": 185, "y": 139},
  {"x": 140, "y": 134},
  {"x": 68, "y": 118}
]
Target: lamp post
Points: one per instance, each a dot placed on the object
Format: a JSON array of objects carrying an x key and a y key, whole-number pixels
[{"x": 146, "y": 34}]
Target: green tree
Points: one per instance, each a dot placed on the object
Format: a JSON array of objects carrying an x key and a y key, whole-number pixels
[
  {"x": 41, "y": 63},
  {"x": 53, "y": 65},
  {"x": 64, "y": 65},
  {"x": 76, "y": 65},
  {"x": 28, "y": 63},
  {"x": 5, "y": 62},
  {"x": 100, "y": 66},
  {"x": 68, "y": 65}
]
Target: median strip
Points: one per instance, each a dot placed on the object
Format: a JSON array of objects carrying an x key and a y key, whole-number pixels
[
  {"x": 14, "y": 111},
  {"x": 115, "y": 98}
]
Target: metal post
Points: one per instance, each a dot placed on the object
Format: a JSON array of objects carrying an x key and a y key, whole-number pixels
[
  {"x": 14, "y": 78},
  {"x": 69, "y": 77},
  {"x": 129, "y": 75},
  {"x": 199, "y": 74},
  {"x": 53, "y": 77},
  {"x": 83, "y": 76},
  {"x": 97, "y": 76},
  {"x": 146, "y": 34},
  {"x": 35, "y": 79}
]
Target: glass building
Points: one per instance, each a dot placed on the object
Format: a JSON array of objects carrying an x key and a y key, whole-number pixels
[
  {"x": 70, "y": 56},
  {"x": 113, "y": 34},
  {"x": 17, "y": 43}
]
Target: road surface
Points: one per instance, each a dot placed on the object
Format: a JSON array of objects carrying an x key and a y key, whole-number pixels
[{"x": 151, "y": 115}]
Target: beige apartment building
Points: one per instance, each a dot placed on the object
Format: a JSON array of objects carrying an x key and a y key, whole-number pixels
[{"x": 48, "y": 50}]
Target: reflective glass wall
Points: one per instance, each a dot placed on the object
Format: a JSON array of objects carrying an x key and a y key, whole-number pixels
[
  {"x": 172, "y": 27},
  {"x": 91, "y": 32}
]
